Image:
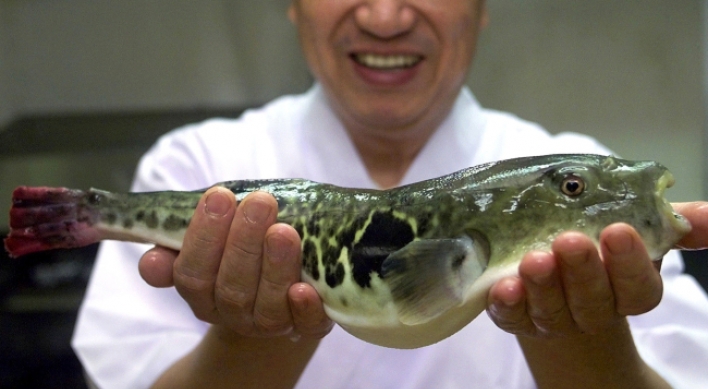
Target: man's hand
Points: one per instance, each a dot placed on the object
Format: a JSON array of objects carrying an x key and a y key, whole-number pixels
[
  {"x": 239, "y": 269},
  {"x": 578, "y": 289},
  {"x": 571, "y": 290}
]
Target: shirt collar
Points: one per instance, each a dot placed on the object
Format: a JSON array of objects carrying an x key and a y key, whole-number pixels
[
  {"x": 335, "y": 160},
  {"x": 329, "y": 152},
  {"x": 454, "y": 145}
]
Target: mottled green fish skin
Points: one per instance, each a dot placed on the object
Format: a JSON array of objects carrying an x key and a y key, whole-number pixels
[
  {"x": 404, "y": 267},
  {"x": 514, "y": 205}
]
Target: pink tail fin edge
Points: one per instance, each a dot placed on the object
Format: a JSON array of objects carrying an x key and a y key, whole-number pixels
[{"x": 43, "y": 218}]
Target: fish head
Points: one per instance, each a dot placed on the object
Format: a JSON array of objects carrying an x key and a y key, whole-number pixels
[{"x": 589, "y": 192}]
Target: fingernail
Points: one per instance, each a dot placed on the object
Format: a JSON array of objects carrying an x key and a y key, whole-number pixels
[
  {"x": 620, "y": 243},
  {"x": 256, "y": 211},
  {"x": 217, "y": 204}
]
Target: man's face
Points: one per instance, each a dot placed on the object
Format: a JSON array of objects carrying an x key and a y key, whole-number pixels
[{"x": 389, "y": 63}]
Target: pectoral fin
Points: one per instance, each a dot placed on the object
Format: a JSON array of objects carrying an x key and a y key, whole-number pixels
[{"x": 428, "y": 277}]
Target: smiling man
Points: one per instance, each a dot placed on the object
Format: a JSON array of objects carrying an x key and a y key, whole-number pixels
[
  {"x": 391, "y": 71},
  {"x": 389, "y": 107}
]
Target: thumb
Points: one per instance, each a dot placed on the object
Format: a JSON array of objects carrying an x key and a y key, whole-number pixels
[
  {"x": 156, "y": 265},
  {"x": 697, "y": 214}
]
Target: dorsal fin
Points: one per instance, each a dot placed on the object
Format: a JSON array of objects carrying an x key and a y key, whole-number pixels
[{"x": 427, "y": 277}]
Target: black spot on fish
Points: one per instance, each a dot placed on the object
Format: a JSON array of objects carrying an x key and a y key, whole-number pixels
[
  {"x": 313, "y": 226},
  {"x": 299, "y": 228},
  {"x": 330, "y": 254},
  {"x": 140, "y": 216},
  {"x": 346, "y": 237},
  {"x": 151, "y": 220},
  {"x": 111, "y": 218},
  {"x": 424, "y": 223},
  {"x": 384, "y": 235},
  {"x": 174, "y": 223},
  {"x": 128, "y": 223},
  {"x": 309, "y": 259},
  {"x": 335, "y": 277}
]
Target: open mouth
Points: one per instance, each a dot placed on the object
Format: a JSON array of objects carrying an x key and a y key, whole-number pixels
[{"x": 387, "y": 62}]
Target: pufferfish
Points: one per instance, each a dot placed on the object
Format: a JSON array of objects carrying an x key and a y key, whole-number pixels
[{"x": 404, "y": 267}]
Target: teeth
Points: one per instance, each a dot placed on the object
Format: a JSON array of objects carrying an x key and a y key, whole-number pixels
[{"x": 387, "y": 61}]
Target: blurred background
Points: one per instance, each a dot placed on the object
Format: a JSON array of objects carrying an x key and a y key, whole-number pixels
[{"x": 86, "y": 87}]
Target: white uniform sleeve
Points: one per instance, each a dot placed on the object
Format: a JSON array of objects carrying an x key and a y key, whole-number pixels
[
  {"x": 673, "y": 338},
  {"x": 127, "y": 332}
]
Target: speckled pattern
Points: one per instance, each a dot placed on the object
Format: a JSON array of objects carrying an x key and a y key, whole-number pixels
[{"x": 404, "y": 256}]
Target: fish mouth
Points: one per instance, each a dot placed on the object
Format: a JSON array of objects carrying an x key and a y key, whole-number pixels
[{"x": 678, "y": 225}]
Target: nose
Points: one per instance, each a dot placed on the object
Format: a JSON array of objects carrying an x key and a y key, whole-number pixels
[{"x": 385, "y": 18}]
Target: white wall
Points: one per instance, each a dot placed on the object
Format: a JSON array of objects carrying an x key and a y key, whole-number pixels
[
  {"x": 85, "y": 55},
  {"x": 628, "y": 73}
]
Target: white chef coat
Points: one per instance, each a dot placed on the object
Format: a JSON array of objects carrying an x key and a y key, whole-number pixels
[{"x": 128, "y": 333}]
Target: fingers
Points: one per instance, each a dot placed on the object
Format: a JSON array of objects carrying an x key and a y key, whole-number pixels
[
  {"x": 588, "y": 292},
  {"x": 507, "y": 307},
  {"x": 697, "y": 214},
  {"x": 239, "y": 269},
  {"x": 562, "y": 293},
  {"x": 281, "y": 269},
  {"x": 240, "y": 273},
  {"x": 636, "y": 284},
  {"x": 309, "y": 317},
  {"x": 546, "y": 301},
  {"x": 197, "y": 266},
  {"x": 574, "y": 289},
  {"x": 156, "y": 267}
]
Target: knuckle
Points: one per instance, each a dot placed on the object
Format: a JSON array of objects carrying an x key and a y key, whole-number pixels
[
  {"x": 233, "y": 299},
  {"x": 244, "y": 250},
  {"x": 270, "y": 324},
  {"x": 548, "y": 320},
  {"x": 188, "y": 284},
  {"x": 633, "y": 277},
  {"x": 202, "y": 243},
  {"x": 513, "y": 323},
  {"x": 587, "y": 311},
  {"x": 589, "y": 317},
  {"x": 270, "y": 285}
]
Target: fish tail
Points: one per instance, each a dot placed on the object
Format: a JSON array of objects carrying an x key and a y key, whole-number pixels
[{"x": 43, "y": 218}]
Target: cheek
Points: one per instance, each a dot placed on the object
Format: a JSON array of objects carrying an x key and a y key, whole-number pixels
[
  {"x": 315, "y": 28},
  {"x": 464, "y": 33}
]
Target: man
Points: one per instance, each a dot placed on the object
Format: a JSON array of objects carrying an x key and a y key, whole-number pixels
[{"x": 388, "y": 108}]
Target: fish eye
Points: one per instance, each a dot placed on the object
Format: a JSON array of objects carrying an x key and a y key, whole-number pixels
[{"x": 572, "y": 186}]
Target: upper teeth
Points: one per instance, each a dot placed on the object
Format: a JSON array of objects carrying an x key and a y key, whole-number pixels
[{"x": 387, "y": 61}]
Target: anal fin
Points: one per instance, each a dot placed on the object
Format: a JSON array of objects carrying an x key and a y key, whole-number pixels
[{"x": 428, "y": 277}]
